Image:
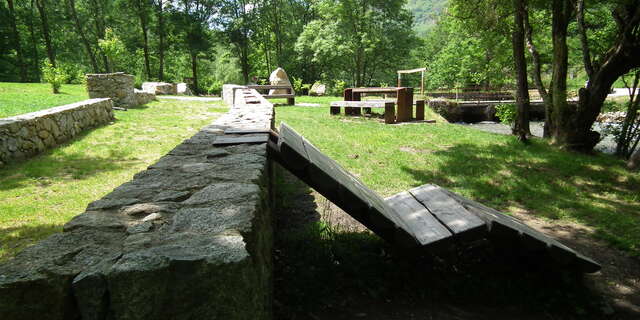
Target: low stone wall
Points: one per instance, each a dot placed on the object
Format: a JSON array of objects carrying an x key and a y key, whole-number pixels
[
  {"x": 228, "y": 91},
  {"x": 28, "y": 134},
  {"x": 189, "y": 238}
]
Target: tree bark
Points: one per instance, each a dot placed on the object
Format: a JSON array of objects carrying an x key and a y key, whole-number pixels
[
  {"x": 42, "y": 10},
  {"x": 629, "y": 125},
  {"x": 141, "y": 6},
  {"x": 34, "y": 46},
  {"x": 634, "y": 161},
  {"x": 16, "y": 42},
  {"x": 521, "y": 128},
  {"x": 194, "y": 71},
  {"x": 98, "y": 13},
  {"x": 537, "y": 73},
  {"x": 71, "y": 4},
  {"x": 160, "y": 14},
  {"x": 582, "y": 33}
]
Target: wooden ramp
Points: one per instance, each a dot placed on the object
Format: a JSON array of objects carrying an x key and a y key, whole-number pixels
[{"x": 424, "y": 218}]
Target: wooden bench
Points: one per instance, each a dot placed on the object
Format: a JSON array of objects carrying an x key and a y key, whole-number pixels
[
  {"x": 290, "y": 95},
  {"x": 424, "y": 219},
  {"x": 354, "y": 108}
]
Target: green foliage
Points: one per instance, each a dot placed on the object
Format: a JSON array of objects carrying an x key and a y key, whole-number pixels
[
  {"x": 297, "y": 84},
  {"x": 55, "y": 76},
  {"x": 425, "y": 13},
  {"x": 337, "y": 89},
  {"x": 506, "y": 113},
  {"x": 112, "y": 47},
  {"x": 215, "y": 87}
]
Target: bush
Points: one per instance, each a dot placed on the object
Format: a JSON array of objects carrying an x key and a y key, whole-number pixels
[
  {"x": 53, "y": 75},
  {"x": 297, "y": 84},
  {"x": 338, "y": 88},
  {"x": 215, "y": 87},
  {"x": 506, "y": 113}
]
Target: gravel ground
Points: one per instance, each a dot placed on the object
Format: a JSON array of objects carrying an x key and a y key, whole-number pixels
[{"x": 607, "y": 145}]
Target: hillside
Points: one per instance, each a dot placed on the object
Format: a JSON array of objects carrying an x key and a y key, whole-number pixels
[{"x": 425, "y": 13}]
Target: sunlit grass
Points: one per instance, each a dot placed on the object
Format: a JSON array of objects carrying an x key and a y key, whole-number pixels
[
  {"x": 19, "y": 98},
  {"x": 39, "y": 195}
]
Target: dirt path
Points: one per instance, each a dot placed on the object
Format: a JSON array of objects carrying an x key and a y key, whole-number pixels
[{"x": 328, "y": 266}]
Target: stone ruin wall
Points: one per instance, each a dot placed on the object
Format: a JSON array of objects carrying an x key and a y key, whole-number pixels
[
  {"x": 29, "y": 134},
  {"x": 118, "y": 86},
  {"x": 188, "y": 238}
]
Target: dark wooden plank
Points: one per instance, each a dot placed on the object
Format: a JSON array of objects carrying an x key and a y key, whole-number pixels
[
  {"x": 375, "y": 90},
  {"x": 247, "y": 131},
  {"x": 292, "y": 148},
  {"x": 420, "y": 109},
  {"x": 229, "y": 140},
  {"x": 389, "y": 113},
  {"x": 500, "y": 221},
  {"x": 423, "y": 225},
  {"x": 447, "y": 210},
  {"x": 361, "y": 104}
]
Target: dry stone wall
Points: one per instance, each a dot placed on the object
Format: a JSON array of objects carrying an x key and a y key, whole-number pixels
[
  {"x": 117, "y": 86},
  {"x": 29, "y": 134},
  {"x": 188, "y": 238}
]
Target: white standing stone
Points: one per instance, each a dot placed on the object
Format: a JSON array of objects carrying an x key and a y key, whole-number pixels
[{"x": 279, "y": 78}]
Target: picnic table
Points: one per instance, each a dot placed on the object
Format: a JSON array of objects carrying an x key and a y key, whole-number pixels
[{"x": 403, "y": 101}]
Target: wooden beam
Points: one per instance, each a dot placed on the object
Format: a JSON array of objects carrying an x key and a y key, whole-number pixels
[{"x": 412, "y": 70}]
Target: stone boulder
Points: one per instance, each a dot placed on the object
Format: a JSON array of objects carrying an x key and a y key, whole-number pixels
[
  {"x": 159, "y": 88},
  {"x": 318, "y": 89},
  {"x": 279, "y": 78},
  {"x": 183, "y": 89},
  {"x": 616, "y": 116}
]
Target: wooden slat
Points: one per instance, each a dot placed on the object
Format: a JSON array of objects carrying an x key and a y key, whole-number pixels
[
  {"x": 279, "y": 96},
  {"x": 247, "y": 131},
  {"x": 375, "y": 90},
  {"x": 292, "y": 148},
  {"x": 361, "y": 104},
  {"x": 269, "y": 87},
  {"x": 412, "y": 70},
  {"x": 501, "y": 221},
  {"x": 423, "y": 225},
  {"x": 448, "y": 211},
  {"x": 228, "y": 140}
]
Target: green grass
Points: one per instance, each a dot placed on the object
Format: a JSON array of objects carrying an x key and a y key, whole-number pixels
[
  {"x": 41, "y": 194},
  {"x": 593, "y": 190},
  {"x": 19, "y": 98}
]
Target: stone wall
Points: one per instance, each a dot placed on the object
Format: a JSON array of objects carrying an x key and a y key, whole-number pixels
[
  {"x": 228, "y": 91},
  {"x": 189, "y": 238},
  {"x": 117, "y": 86},
  {"x": 28, "y": 134}
]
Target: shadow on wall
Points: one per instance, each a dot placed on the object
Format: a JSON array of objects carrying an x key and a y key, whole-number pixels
[{"x": 24, "y": 236}]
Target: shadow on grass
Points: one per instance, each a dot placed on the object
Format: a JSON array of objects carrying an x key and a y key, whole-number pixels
[
  {"x": 323, "y": 272},
  {"x": 555, "y": 184},
  {"x": 52, "y": 165},
  {"x": 15, "y": 239}
]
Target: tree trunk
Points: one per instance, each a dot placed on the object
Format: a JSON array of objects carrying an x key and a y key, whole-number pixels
[
  {"x": 16, "y": 42},
  {"x": 194, "y": 71},
  {"x": 160, "y": 14},
  {"x": 42, "y": 10},
  {"x": 34, "y": 46},
  {"x": 537, "y": 73},
  {"x": 100, "y": 32},
  {"x": 634, "y": 161},
  {"x": 71, "y": 4},
  {"x": 521, "y": 128},
  {"x": 628, "y": 131},
  {"x": 140, "y": 4}
]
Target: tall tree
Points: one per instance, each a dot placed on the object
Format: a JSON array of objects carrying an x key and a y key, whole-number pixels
[
  {"x": 521, "y": 128},
  {"x": 161, "y": 34},
  {"x": 16, "y": 41},
  {"x": 71, "y": 7},
  {"x": 42, "y": 10},
  {"x": 143, "y": 16}
]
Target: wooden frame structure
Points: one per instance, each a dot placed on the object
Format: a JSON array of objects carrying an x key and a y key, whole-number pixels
[{"x": 421, "y": 70}]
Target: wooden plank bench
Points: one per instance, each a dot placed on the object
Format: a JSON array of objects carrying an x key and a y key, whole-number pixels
[
  {"x": 290, "y": 95},
  {"x": 427, "y": 218},
  {"x": 354, "y": 108}
]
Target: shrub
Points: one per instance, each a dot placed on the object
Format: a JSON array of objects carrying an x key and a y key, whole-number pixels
[
  {"x": 506, "y": 113},
  {"x": 338, "y": 87},
  {"x": 215, "y": 87},
  {"x": 53, "y": 75},
  {"x": 297, "y": 84}
]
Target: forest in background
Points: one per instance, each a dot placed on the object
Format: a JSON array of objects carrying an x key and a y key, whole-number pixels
[{"x": 338, "y": 42}]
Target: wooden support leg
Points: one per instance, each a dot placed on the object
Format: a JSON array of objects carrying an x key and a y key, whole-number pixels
[
  {"x": 291, "y": 101},
  {"x": 347, "y": 95},
  {"x": 389, "y": 113},
  {"x": 402, "y": 105},
  {"x": 357, "y": 111},
  {"x": 419, "y": 109},
  {"x": 334, "y": 110}
]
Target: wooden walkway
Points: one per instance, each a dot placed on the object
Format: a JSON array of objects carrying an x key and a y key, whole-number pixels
[{"x": 424, "y": 218}]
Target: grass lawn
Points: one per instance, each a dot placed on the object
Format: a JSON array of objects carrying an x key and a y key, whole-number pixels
[
  {"x": 19, "y": 98},
  {"x": 41, "y": 194},
  {"x": 593, "y": 190}
]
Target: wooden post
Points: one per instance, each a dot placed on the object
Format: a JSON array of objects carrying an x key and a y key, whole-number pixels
[
  {"x": 419, "y": 109},
  {"x": 389, "y": 113},
  {"x": 399, "y": 79},
  {"x": 291, "y": 101},
  {"x": 405, "y": 104},
  {"x": 422, "y": 85}
]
